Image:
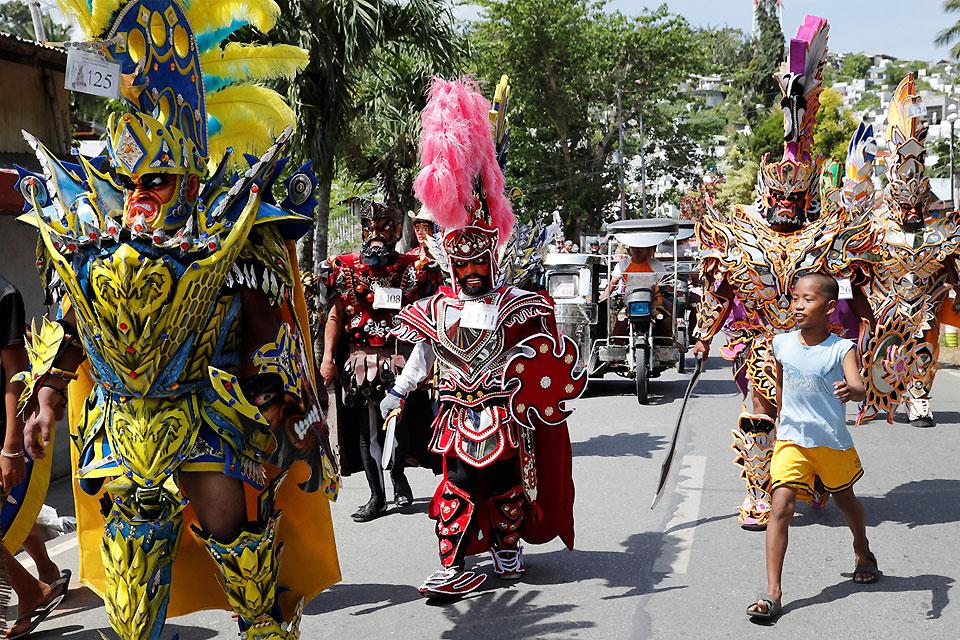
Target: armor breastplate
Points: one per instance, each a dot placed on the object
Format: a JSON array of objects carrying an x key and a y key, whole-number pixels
[
  {"x": 142, "y": 314},
  {"x": 763, "y": 265}
]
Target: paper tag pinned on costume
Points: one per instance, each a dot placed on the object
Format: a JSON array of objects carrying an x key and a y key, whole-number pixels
[
  {"x": 915, "y": 110},
  {"x": 89, "y": 73},
  {"x": 478, "y": 315},
  {"x": 565, "y": 290},
  {"x": 846, "y": 289},
  {"x": 387, "y": 298}
]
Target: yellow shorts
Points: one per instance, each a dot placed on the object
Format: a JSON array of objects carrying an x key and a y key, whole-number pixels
[{"x": 796, "y": 466}]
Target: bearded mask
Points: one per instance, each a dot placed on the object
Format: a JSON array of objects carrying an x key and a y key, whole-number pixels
[
  {"x": 471, "y": 252},
  {"x": 381, "y": 232},
  {"x": 786, "y": 193},
  {"x": 908, "y": 190}
]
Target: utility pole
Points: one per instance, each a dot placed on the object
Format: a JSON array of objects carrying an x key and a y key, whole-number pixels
[
  {"x": 643, "y": 171},
  {"x": 623, "y": 189},
  {"x": 38, "y": 32}
]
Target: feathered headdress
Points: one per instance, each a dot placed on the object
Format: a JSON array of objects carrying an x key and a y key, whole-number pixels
[
  {"x": 858, "y": 189},
  {"x": 800, "y": 80},
  {"x": 177, "y": 71},
  {"x": 460, "y": 180}
]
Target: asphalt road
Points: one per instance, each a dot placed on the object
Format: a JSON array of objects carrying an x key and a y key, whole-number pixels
[{"x": 684, "y": 570}]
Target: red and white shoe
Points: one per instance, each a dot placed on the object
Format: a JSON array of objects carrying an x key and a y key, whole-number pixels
[
  {"x": 508, "y": 565},
  {"x": 451, "y": 583}
]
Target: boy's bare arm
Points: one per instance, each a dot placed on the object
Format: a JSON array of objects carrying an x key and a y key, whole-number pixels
[
  {"x": 779, "y": 388},
  {"x": 852, "y": 387}
]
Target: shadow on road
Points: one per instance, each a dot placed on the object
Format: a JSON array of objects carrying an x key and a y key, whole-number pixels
[
  {"x": 500, "y": 611},
  {"x": 78, "y": 632},
  {"x": 621, "y": 444},
  {"x": 938, "y": 586},
  {"x": 914, "y": 504},
  {"x": 377, "y": 596}
]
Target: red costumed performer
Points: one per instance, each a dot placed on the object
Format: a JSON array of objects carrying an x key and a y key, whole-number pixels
[{"x": 504, "y": 372}]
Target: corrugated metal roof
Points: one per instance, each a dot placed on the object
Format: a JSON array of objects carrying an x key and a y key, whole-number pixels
[{"x": 17, "y": 49}]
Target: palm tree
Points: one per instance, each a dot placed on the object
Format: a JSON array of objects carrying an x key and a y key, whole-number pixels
[
  {"x": 345, "y": 39},
  {"x": 950, "y": 35}
]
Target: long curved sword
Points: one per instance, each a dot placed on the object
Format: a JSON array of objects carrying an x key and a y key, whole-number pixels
[{"x": 665, "y": 469}]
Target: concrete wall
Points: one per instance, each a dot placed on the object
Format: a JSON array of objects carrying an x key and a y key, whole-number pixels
[{"x": 18, "y": 243}]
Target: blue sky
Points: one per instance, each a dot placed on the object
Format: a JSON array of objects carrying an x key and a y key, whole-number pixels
[{"x": 902, "y": 28}]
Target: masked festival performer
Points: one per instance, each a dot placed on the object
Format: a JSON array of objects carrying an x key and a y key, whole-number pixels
[
  {"x": 429, "y": 274},
  {"x": 905, "y": 252},
  {"x": 368, "y": 289},
  {"x": 183, "y": 330},
  {"x": 752, "y": 257},
  {"x": 503, "y": 371}
]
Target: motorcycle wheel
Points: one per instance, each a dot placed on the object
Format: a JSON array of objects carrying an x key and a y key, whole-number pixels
[{"x": 643, "y": 378}]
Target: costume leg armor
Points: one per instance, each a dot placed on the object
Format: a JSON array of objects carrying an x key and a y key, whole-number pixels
[
  {"x": 137, "y": 560},
  {"x": 506, "y": 516},
  {"x": 249, "y": 567},
  {"x": 455, "y": 511},
  {"x": 753, "y": 441}
]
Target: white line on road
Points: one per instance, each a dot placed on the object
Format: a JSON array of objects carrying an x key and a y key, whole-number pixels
[{"x": 675, "y": 551}]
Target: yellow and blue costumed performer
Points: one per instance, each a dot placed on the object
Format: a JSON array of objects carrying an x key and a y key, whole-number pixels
[{"x": 182, "y": 330}]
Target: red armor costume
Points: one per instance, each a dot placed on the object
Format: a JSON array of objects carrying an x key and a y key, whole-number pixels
[
  {"x": 366, "y": 291},
  {"x": 503, "y": 372}
]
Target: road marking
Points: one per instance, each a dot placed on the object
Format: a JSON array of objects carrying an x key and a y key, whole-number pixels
[
  {"x": 54, "y": 551},
  {"x": 676, "y": 549}
]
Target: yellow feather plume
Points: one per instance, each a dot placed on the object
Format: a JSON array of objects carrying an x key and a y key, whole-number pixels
[
  {"x": 103, "y": 11},
  {"x": 250, "y": 101},
  {"x": 209, "y": 15},
  {"x": 250, "y": 118},
  {"x": 245, "y": 135},
  {"x": 80, "y": 12},
  {"x": 243, "y": 61}
]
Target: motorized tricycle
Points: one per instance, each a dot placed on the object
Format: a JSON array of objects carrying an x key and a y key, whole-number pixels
[{"x": 646, "y": 329}]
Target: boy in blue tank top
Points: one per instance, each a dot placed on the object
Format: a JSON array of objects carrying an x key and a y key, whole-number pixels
[{"x": 817, "y": 372}]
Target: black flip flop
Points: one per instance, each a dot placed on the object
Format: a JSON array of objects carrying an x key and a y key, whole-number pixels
[
  {"x": 870, "y": 569},
  {"x": 38, "y": 615},
  {"x": 774, "y": 608}
]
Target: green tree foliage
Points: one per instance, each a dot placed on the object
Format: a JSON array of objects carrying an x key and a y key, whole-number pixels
[
  {"x": 950, "y": 35},
  {"x": 567, "y": 60},
  {"x": 767, "y": 136},
  {"x": 941, "y": 149},
  {"x": 15, "y": 18},
  {"x": 834, "y": 127},
  {"x": 345, "y": 39},
  {"x": 854, "y": 67},
  {"x": 756, "y": 82}
]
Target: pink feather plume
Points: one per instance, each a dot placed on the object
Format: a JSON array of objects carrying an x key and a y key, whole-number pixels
[{"x": 456, "y": 146}]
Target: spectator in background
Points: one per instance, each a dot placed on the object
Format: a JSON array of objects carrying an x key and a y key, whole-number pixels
[{"x": 36, "y": 598}]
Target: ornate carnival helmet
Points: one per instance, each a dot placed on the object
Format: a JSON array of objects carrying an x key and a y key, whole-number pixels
[
  {"x": 787, "y": 193},
  {"x": 858, "y": 192},
  {"x": 462, "y": 148},
  {"x": 190, "y": 98},
  {"x": 380, "y": 224},
  {"x": 908, "y": 190}
]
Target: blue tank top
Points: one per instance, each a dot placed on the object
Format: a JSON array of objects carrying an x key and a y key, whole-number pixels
[{"x": 810, "y": 413}]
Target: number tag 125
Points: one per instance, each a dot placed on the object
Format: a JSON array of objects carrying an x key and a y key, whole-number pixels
[{"x": 89, "y": 73}]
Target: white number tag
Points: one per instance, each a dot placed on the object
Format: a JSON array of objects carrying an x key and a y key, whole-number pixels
[
  {"x": 917, "y": 110},
  {"x": 387, "y": 298},
  {"x": 846, "y": 289},
  {"x": 477, "y": 315},
  {"x": 89, "y": 73},
  {"x": 564, "y": 290}
]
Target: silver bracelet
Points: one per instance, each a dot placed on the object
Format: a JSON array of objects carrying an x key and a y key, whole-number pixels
[{"x": 7, "y": 454}]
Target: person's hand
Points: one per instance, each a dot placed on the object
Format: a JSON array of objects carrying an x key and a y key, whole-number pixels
[
  {"x": 328, "y": 371},
  {"x": 388, "y": 404},
  {"x": 841, "y": 391},
  {"x": 38, "y": 429},
  {"x": 701, "y": 350},
  {"x": 12, "y": 472}
]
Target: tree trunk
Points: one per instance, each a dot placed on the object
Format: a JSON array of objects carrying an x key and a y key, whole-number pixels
[{"x": 322, "y": 217}]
